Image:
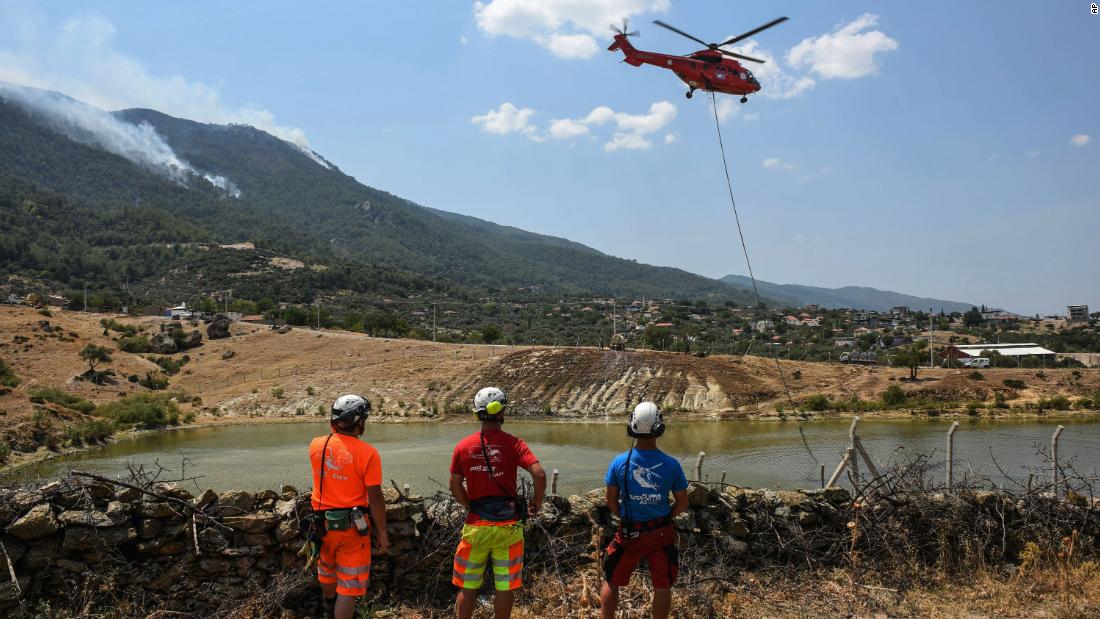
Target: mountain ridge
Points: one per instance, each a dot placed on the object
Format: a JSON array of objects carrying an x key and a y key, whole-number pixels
[{"x": 854, "y": 297}]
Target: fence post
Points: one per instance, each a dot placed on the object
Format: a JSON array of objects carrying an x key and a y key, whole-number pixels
[
  {"x": 1054, "y": 458},
  {"x": 853, "y": 460},
  {"x": 951, "y": 454},
  {"x": 407, "y": 490},
  {"x": 723, "y": 482},
  {"x": 699, "y": 466},
  {"x": 822, "y": 475},
  {"x": 840, "y": 467},
  {"x": 554, "y": 483}
]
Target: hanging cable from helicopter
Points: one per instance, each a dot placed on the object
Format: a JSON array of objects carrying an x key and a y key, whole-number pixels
[{"x": 713, "y": 70}]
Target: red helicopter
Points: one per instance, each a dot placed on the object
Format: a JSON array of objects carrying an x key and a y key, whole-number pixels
[{"x": 705, "y": 69}]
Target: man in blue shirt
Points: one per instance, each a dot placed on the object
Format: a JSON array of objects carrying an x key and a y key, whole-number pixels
[{"x": 638, "y": 486}]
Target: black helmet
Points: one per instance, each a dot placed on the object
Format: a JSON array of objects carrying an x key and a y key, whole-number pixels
[{"x": 349, "y": 409}]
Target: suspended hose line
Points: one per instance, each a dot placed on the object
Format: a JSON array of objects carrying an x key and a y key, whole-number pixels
[{"x": 744, "y": 246}]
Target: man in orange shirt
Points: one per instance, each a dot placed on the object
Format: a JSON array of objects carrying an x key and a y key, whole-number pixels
[{"x": 347, "y": 482}]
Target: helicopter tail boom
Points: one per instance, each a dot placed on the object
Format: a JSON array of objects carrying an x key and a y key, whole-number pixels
[{"x": 629, "y": 51}]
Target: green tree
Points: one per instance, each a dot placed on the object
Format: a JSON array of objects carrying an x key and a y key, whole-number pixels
[
  {"x": 911, "y": 357},
  {"x": 972, "y": 318},
  {"x": 490, "y": 334},
  {"x": 94, "y": 355}
]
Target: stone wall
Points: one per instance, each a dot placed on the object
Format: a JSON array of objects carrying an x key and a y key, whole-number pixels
[{"x": 74, "y": 542}]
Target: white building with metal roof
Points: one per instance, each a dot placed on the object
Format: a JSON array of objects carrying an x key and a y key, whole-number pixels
[{"x": 969, "y": 351}]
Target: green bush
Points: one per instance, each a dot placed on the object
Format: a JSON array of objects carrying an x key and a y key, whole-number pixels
[
  {"x": 189, "y": 417},
  {"x": 1014, "y": 383},
  {"x": 154, "y": 381},
  {"x": 147, "y": 410},
  {"x": 999, "y": 400},
  {"x": 5, "y": 452},
  {"x": 7, "y": 377},
  {"x": 976, "y": 375},
  {"x": 1058, "y": 403},
  {"x": 170, "y": 365},
  {"x": 61, "y": 398},
  {"x": 277, "y": 393},
  {"x": 135, "y": 344},
  {"x": 817, "y": 402},
  {"x": 894, "y": 396},
  {"x": 96, "y": 430},
  {"x": 114, "y": 325}
]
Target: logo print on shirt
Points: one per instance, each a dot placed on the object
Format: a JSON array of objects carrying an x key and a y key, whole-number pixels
[{"x": 647, "y": 478}]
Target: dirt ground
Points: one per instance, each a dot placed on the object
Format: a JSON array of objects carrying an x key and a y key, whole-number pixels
[{"x": 259, "y": 374}]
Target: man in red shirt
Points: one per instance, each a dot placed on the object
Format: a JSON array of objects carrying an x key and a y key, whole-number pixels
[
  {"x": 347, "y": 482},
  {"x": 487, "y": 461}
]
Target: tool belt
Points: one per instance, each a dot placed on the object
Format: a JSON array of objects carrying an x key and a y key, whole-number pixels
[
  {"x": 337, "y": 519},
  {"x": 499, "y": 508},
  {"x": 634, "y": 528}
]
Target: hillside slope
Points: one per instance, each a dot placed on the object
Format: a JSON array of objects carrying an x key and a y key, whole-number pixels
[{"x": 236, "y": 183}]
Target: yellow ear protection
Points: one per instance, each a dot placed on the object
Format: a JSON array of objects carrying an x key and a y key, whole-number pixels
[{"x": 494, "y": 407}]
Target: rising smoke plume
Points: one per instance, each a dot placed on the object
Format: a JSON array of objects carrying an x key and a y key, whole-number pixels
[{"x": 83, "y": 123}]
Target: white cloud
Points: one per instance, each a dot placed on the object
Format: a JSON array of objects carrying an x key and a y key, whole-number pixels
[
  {"x": 728, "y": 108},
  {"x": 631, "y": 131},
  {"x": 776, "y": 162},
  {"x": 1033, "y": 153},
  {"x": 78, "y": 58},
  {"x": 775, "y": 81},
  {"x": 506, "y": 119},
  {"x": 568, "y": 28},
  {"x": 820, "y": 172},
  {"x": 1080, "y": 140},
  {"x": 463, "y": 40},
  {"x": 562, "y": 128},
  {"x": 848, "y": 52}
]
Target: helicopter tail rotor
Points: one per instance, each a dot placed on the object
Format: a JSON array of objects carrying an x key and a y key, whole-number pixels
[{"x": 624, "y": 30}]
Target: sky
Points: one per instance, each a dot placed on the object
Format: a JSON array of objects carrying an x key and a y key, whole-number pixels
[{"x": 940, "y": 149}]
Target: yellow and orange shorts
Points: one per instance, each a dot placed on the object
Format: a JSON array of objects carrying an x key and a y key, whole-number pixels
[
  {"x": 500, "y": 543},
  {"x": 345, "y": 560}
]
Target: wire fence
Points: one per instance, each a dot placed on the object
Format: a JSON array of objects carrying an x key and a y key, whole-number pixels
[{"x": 1011, "y": 456}]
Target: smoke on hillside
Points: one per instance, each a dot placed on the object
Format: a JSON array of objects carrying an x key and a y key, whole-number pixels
[{"x": 83, "y": 123}]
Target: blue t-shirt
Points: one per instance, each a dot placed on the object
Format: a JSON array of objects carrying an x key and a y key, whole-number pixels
[{"x": 653, "y": 475}]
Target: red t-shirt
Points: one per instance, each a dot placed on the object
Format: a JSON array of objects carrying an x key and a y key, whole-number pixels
[{"x": 506, "y": 453}]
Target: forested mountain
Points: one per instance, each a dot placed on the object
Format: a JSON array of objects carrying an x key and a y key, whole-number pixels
[
  {"x": 856, "y": 297},
  {"x": 93, "y": 197}
]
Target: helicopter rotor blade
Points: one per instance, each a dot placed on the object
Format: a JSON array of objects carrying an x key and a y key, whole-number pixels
[
  {"x": 741, "y": 56},
  {"x": 681, "y": 32},
  {"x": 742, "y": 37}
]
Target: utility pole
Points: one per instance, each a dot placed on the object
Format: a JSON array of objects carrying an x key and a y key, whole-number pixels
[
  {"x": 433, "y": 321},
  {"x": 318, "y": 314},
  {"x": 85, "y": 299},
  {"x": 614, "y": 319},
  {"x": 931, "y": 357}
]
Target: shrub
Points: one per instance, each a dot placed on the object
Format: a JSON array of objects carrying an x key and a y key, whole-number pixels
[
  {"x": 972, "y": 408},
  {"x": 118, "y": 327},
  {"x": 277, "y": 393},
  {"x": 999, "y": 400},
  {"x": 5, "y": 452},
  {"x": 1014, "y": 383},
  {"x": 7, "y": 377},
  {"x": 322, "y": 410},
  {"x": 135, "y": 344},
  {"x": 189, "y": 417},
  {"x": 95, "y": 354},
  {"x": 96, "y": 430},
  {"x": 196, "y": 401},
  {"x": 817, "y": 402},
  {"x": 61, "y": 398},
  {"x": 798, "y": 374},
  {"x": 310, "y": 390},
  {"x": 147, "y": 410},
  {"x": 154, "y": 381},
  {"x": 976, "y": 375},
  {"x": 170, "y": 366},
  {"x": 1058, "y": 403},
  {"x": 45, "y": 312},
  {"x": 894, "y": 396}
]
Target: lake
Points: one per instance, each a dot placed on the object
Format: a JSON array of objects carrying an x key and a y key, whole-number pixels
[{"x": 771, "y": 454}]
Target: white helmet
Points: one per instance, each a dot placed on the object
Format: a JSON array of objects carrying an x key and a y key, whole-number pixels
[
  {"x": 349, "y": 409},
  {"x": 489, "y": 401},
  {"x": 645, "y": 421}
]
